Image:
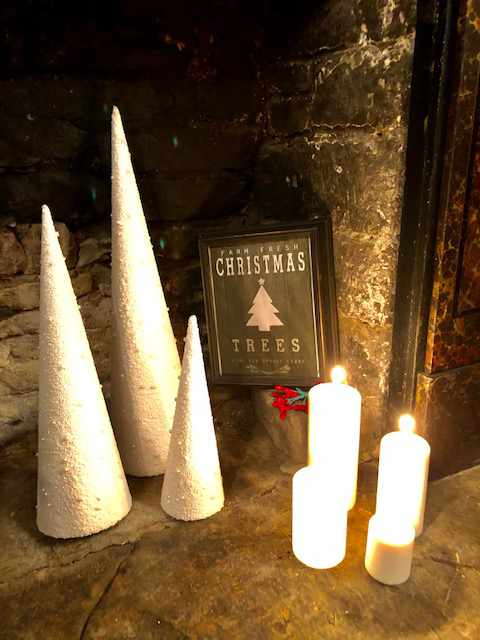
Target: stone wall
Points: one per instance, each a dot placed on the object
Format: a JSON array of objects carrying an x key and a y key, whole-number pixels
[
  {"x": 238, "y": 112},
  {"x": 337, "y": 121},
  {"x": 185, "y": 81},
  {"x": 87, "y": 260}
]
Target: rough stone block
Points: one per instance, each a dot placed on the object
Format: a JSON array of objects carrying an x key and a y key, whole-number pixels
[
  {"x": 180, "y": 149},
  {"x": 19, "y": 294},
  {"x": 180, "y": 283},
  {"x": 189, "y": 198},
  {"x": 229, "y": 97},
  {"x": 100, "y": 345},
  {"x": 81, "y": 582},
  {"x": 68, "y": 119},
  {"x": 19, "y": 377},
  {"x": 365, "y": 85},
  {"x": 372, "y": 427},
  {"x": 82, "y": 283},
  {"x": 19, "y": 352},
  {"x": 30, "y": 236},
  {"x": 289, "y": 435},
  {"x": 142, "y": 102},
  {"x": 19, "y": 408},
  {"x": 365, "y": 351},
  {"x": 19, "y": 324},
  {"x": 175, "y": 241},
  {"x": 357, "y": 179},
  {"x": 290, "y": 115},
  {"x": 101, "y": 232},
  {"x": 12, "y": 256},
  {"x": 22, "y": 293},
  {"x": 92, "y": 250},
  {"x": 354, "y": 176},
  {"x": 179, "y": 241},
  {"x": 75, "y": 197},
  {"x": 96, "y": 311},
  {"x": 4, "y": 354},
  {"x": 337, "y": 24},
  {"x": 289, "y": 78},
  {"x": 447, "y": 408},
  {"x": 101, "y": 275},
  {"x": 61, "y": 98},
  {"x": 86, "y": 103},
  {"x": 19, "y": 370},
  {"x": 387, "y": 19},
  {"x": 365, "y": 269},
  {"x": 30, "y": 140}
]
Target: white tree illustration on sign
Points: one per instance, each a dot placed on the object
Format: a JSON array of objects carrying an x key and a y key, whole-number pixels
[{"x": 263, "y": 312}]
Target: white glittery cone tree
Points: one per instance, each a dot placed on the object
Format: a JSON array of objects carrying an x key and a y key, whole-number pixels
[
  {"x": 145, "y": 362},
  {"x": 81, "y": 484},
  {"x": 192, "y": 488}
]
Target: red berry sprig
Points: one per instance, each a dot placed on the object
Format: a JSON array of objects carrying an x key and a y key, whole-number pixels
[{"x": 286, "y": 399}]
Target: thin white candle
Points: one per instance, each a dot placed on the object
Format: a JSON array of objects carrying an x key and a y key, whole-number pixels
[
  {"x": 389, "y": 552},
  {"x": 334, "y": 432},
  {"x": 403, "y": 474},
  {"x": 319, "y": 520}
]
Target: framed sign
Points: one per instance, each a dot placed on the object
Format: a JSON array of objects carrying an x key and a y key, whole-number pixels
[{"x": 270, "y": 304}]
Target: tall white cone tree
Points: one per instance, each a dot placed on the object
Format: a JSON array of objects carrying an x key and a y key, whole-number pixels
[
  {"x": 81, "y": 484},
  {"x": 145, "y": 363},
  {"x": 192, "y": 488}
]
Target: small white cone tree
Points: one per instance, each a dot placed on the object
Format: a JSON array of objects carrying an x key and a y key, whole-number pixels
[
  {"x": 145, "y": 363},
  {"x": 192, "y": 487},
  {"x": 81, "y": 484}
]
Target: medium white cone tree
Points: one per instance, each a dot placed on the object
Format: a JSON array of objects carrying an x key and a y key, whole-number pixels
[
  {"x": 81, "y": 484},
  {"x": 145, "y": 362},
  {"x": 192, "y": 488}
]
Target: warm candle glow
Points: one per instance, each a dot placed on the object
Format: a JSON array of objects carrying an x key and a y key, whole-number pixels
[
  {"x": 388, "y": 557},
  {"x": 406, "y": 423},
  {"x": 334, "y": 433},
  {"x": 338, "y": 375},
  {"x": 403, "y": 474},
  {"x": 319, "y": 520}
]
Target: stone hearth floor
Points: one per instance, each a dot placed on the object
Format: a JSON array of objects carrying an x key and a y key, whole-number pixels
[{"x": 234, "y": 575}]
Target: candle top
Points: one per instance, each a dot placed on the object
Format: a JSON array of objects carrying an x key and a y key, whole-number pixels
[
  {"x": 338, "y": 375},
  {"x": 406, "y": 423}
]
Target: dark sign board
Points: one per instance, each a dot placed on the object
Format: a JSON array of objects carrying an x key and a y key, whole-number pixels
[{"x": 270, "y": 303}]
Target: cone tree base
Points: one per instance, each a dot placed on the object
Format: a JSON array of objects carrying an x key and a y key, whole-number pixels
[
  {"x": 81, "y": 532},
  {"x": 189, "y": 514}
]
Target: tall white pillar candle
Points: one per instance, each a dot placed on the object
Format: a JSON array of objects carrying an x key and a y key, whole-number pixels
[
  {"x": 403, "y": 474},
  {"x": 389, "y": 553},
  {"x": 319, "y": 520},
  {"x": 334, "y": 432}
]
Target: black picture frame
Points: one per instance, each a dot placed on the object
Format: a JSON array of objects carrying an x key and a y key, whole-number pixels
[{"x": 303, "y": 281}]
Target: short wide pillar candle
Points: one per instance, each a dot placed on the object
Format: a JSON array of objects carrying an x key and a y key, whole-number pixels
[
  {"x": 319, "y": 520},
  {"x": 403, "y": 474},
  {"x": 389, "y": 553},
  {"x": 334, "y": 432}
]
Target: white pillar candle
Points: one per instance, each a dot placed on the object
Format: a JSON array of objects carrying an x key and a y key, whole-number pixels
[
  {"x": 403, "y": 474},
  {"x": 389, "y": 553},
  {"x": 319, "y": 520},
  {"x": 334, "y": 432}
]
